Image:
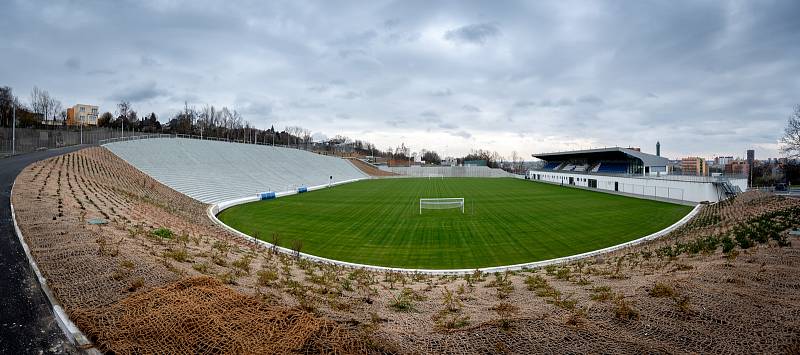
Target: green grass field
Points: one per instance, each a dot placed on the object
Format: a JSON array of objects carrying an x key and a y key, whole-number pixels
[{"x": 507, "y": 221}]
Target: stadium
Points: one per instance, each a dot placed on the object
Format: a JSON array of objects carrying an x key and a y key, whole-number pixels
[
  {"x": 399, "y": 177},
  {"x": 176, "y": 244}
]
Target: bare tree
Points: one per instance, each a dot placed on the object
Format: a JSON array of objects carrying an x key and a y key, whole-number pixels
[
  {"x": 43, "y": 104},
  {"x": 7, "y": 101},
  {"x": 305, "y": 133},
  {"x": 790, "y": 142},
  {"x": 55, "y": 109}
]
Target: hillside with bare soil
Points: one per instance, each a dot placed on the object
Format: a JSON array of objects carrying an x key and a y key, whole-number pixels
[{"x": 369, "y": 169}]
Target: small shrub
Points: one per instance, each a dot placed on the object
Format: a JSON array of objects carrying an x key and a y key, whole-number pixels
[
  {"x": 126, "y": 264},
  {"x": 623, "y": 310},
  {"x": 163, "y": 233},
  {"x": 200, "y": 267},
  {"x": 727, "y": 244},
  {"x": 179, "y": 255},
  {"x": 222, "y": 246},
  {"x": 535, "y": 282},
  {"x": 243, "y": 264},
  {"x": 565, "y": 303},
  {"x": 505, "y": 311},
  {"x": 743, "y": 241},
  {"x": 450, "y": 317},
  {"x": 267, "y": 277},
  {"x": 662, "y": 290},
  {"x": 404, "y": 301},
  {"x": 136, "y": 284},
  {"x": 118, "y": 274},
  {"x": 228, "y": 278},
  {"x": 563, "y": 274},
  {"x": 683, "y": 304},
  {"x": 602, "y": 293}
]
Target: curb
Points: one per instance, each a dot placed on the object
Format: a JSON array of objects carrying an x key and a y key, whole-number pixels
[{"x": 71, "y": 331}]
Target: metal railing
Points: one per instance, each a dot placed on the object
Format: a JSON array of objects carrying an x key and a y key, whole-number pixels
[
  {"x": 191, "y": 136},
  {"x": 673, "y": 177}
]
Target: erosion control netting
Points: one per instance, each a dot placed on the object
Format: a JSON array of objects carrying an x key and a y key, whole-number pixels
[
  {"x": 134, "y": 291},
  {"x": 201, "y": 316}
]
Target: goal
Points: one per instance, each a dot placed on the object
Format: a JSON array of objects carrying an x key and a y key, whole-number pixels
[
  {"x": 441, "y": 203},
  {"x": 435, "y": 176}
]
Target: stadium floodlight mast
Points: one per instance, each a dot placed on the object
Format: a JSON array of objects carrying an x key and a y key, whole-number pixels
[{"x": 441, "y": 203}]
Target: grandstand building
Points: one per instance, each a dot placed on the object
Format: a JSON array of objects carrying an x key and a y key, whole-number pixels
[{"x": 633, "y": 172}]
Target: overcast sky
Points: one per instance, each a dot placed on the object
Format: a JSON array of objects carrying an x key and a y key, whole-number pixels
[{"x": 704, "y": 78}]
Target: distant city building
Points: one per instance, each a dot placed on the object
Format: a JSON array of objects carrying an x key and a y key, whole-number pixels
[
  {"x": 722, "y": 161},
  {"x": 80, "y": 114},
  {"x": 694, "y": 166},
  {"x": 737, "y": 167}
]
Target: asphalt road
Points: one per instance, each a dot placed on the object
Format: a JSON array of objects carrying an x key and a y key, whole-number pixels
[{"x": 27, "y": 324}]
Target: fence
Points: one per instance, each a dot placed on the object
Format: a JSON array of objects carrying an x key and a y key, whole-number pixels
[{"x": 32, "y": 139}]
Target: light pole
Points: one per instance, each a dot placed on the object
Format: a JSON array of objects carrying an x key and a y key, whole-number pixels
[{"x": 14, "y": 129}]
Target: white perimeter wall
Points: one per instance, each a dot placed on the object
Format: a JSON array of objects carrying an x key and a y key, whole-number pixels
[
  {"x": 450, "y": 171},
  {"x": 693, "y": 191}
]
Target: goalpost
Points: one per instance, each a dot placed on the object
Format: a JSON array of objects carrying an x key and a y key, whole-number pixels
[
  {"x": 441, "y": 203},
  {"x": 435, "y": 176}
]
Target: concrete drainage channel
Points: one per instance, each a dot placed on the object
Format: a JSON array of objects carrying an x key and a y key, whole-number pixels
[
  {"x": 73, "y": 334},
  {"x": 216, "y": 208}
]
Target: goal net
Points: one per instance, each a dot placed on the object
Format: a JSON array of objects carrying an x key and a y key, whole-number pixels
[{"x": 441, "y": 203}]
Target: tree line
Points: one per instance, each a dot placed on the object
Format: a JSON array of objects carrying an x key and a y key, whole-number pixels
[{"x": 219, "y": 122}]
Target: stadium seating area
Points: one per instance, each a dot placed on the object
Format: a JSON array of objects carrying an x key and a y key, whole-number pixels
[
  {"x": 613, "y": 168},
  {"x": 211, "y": 171},
  {"x": 551, "y": 166},
  {"x": 581, "y": 167}
]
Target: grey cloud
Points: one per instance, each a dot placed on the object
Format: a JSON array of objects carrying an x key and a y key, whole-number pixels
[
  {"x": 351, "y": 95},
  {"x": 100, "y": 72},
  {"x": 319, "y": 88},
  {"x": 305, "y": 104},
  {"x": 148, "y": 61},
  {"x": 478, "y": 33},
  {"x": 429, "y": 114},
  {"x": 470, "y": 108},
  {"x": 524, "y": 103},
  {"x": 73, "y": 63},
  {"x": 462, "y": 134},
  {"x": 441, "y": 93},
  {"x": 396, "y": 123},
  {"x": 564, "y": 101},
  {"x": 447, "y": 125},
  {"x": 590, "y": 99},
  {"x": 139, "y": 92}
]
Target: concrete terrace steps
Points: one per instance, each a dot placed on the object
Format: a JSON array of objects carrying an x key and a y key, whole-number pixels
[{"x": 213, "y": 171}]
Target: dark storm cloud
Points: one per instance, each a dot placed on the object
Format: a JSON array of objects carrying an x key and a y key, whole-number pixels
[
  {"x": 138, "y": 92},
  {"x": 704, "y": 78}
]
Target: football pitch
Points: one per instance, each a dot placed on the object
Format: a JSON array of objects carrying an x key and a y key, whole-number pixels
[{"x": 506, "y": 221}]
